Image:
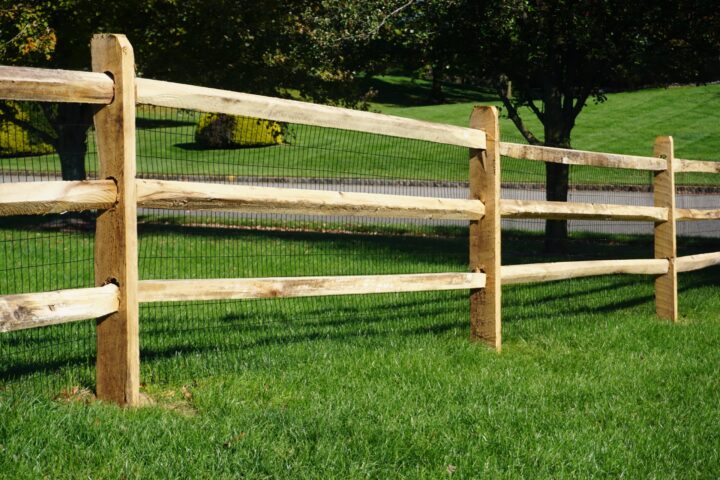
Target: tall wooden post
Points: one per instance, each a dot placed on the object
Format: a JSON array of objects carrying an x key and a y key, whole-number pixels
[
  {"x": 485, "y": 315},
  {"x": 118, "y": 351},
  {"x": 666, "y": 303}
]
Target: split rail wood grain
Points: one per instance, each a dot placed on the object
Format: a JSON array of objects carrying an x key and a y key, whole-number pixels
[
  {"x": 43, "y": 85},
  {"x": 30, "y": 310},
  {"x": 685, "y": 214},
  {"x": 690, "y": 263},
  {"x": 176, "y": 95},
  {"x": 287, "y": 287},
  {"x": 35, "y": 198},
  {"x": 249, "y": 199},
  {"x": 665, "y": 242},
  {"x": 576, "y": 210},
  {"x": 547, "y": 272},
  {"x": 117, "y": 372},
  {"x": 484, "y": 241}
]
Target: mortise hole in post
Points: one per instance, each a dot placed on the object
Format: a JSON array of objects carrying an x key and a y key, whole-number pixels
[
  {"x": 112, "y": 77},
  {"x": 112, "y": 280}
]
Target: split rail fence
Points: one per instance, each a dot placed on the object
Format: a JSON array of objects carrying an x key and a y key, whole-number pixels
[{"x": 118, "y": 193}]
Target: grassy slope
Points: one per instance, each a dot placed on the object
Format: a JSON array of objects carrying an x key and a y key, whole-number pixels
[{"x": 626, "y": 123}]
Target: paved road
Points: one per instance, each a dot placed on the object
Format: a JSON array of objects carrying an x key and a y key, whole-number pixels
[{"x": 450, "y": 190}]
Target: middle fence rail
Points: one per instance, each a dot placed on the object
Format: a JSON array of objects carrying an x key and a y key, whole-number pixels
[{"x": 118, "y": 193}]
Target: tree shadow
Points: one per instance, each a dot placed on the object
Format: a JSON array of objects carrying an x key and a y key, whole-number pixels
[
  {"x": 408, "y": 92},
  {"x": 196, "y": 147},
  {"x": 148, "y": 123}
]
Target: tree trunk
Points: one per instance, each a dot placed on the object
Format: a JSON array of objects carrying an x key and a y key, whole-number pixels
[
  {"x": 557, "y": 178},
  {"x": 436, "y": 94},
  {"x": 72, "y": 124},
  {"x": 556, "y": 231}
]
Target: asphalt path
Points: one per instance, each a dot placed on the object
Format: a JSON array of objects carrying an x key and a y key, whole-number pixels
[{"x": 707, "y": 228}]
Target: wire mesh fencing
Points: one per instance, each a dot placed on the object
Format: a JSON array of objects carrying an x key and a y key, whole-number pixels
[
  {"x": 183, "y": 340},
  {"x": 50, "y": 252},
  {"x": 184, "y": 244}
]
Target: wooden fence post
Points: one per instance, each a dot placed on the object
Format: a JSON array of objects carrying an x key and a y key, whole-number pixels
[
  {"x": 485, "y": 315},
  {"x": 118, "y": 351},
  {"x": 666, "y": 303}
]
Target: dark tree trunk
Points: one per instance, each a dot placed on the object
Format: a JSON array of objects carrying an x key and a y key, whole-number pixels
[
  {"x": 72, "y": 124},
  {"x": 436, "y": 93},
  {"x": 556, "y": 231},
  {"x": 557, "y": 175}
]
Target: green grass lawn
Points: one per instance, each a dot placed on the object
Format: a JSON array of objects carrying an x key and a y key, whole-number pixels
[
  {"x": 625, "y": 123},
  {"x": 589, "y": 383}
]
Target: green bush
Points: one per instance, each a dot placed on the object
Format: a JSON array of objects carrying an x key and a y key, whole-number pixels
[
  {"x": 16, "y": 141},
  {"x": 215, "y": 130}
]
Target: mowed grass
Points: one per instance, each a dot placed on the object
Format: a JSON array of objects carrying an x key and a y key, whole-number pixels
[
  {"x": 589, "y": 382},
  {"x": 626, "y": 123}
]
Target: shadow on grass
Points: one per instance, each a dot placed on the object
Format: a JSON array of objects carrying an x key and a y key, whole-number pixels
[
  {"x": 238, "y": 337},
  {"x": 167, "y": 332},
  {"x": 24, "y": 370},
  {"x": 194, "y": 147},
  {"x": 408, "y": 92},
  {"x": 141, "y": 122}
]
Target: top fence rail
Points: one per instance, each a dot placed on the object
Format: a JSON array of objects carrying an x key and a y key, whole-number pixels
[
  {"x": 42, "y": 85},
  {"x": 599, "y": 159},
  {"x": 176, "y": 95}
]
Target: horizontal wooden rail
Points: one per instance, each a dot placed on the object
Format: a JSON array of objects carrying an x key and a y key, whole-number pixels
[
  {"x": 281, "y": 287},
  {"x": 42, "y": 85},
  {"x": 176, "y": 95},
  {"x": 699, "y": 166},
  {"x": 211, "y": 196},
  {"x": 547, "y": 272},
  {"x": 696, "y": 262},
  {"x": 39, "y": 198},
  {"x": 696, "y": 214},
  {"x": 573, "y": 210},
  {"x": 29, "y": 310},
  {"x": 580, "y": 157}
]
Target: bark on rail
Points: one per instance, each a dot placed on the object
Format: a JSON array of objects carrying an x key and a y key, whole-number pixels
[
  {"x": 696, "y": 262},
  {"x": 283, "y": 287},
  {"x": 43, "y": 85},
  {"x": 547, "y": 272},
  {"x": 176, "y": 95},
  {"x": 29, "y": 310},
  {"x": 699, "y": 166},
  {"x": 574, "y": 210},
  {"x": 696, "y": 214},
  {"x": 580, "y": 157},
  {"x": 210, "y": 196},
  {"x": 40, "y": 198}
]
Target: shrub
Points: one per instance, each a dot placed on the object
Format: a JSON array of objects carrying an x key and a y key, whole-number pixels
[
  {"x": 215, "y": 130},
  {"x": 16, "y": 141}
]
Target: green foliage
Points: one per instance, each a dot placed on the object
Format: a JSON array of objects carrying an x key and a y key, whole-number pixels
[
  {"x": 25, "y": 35},
  {"x": 227, "y": 131},
  {"x": 18, "y": 141}
]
